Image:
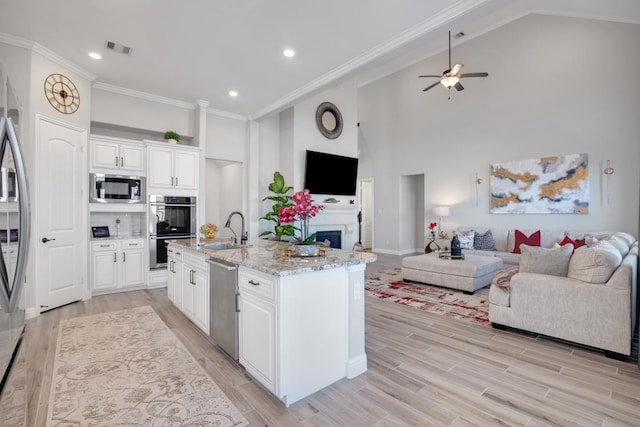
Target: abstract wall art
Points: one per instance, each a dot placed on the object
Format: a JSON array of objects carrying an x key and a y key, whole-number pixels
[{"x": 549, "y": 185}]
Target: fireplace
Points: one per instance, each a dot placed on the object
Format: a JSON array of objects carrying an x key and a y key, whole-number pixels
[{"x": 334, "y": 236}]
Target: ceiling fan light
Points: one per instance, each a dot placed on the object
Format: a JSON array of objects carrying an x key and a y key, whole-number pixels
[{"x": 449, "y": 81}]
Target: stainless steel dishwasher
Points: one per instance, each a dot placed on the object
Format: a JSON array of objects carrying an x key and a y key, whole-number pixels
[{"x": 223, "y": 306}]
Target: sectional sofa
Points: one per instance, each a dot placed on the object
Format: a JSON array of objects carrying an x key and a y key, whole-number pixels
[{"x": 588, "y": 296}]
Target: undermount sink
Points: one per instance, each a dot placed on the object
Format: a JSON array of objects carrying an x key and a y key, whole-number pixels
[{"x": 222, "y": 245}]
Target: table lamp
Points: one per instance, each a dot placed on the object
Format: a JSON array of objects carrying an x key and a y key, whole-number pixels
[{"x": 440, "y": 211}]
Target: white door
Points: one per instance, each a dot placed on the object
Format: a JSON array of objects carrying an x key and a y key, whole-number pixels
[
  {"x": 131, "y": 157},
  {"x": 105, "y": 155},
  {"x": 61, "y": 249},
  {"x": 186, "y": 169},
  {"x": 160, "y": 167},
  {"x": 132, "y": 267},
  {"x": 366, "y": 203},
  {"x": 104, "y": 267}
]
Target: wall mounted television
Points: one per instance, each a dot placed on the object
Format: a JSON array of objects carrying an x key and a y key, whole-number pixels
[{"x": 330, "y": 174}]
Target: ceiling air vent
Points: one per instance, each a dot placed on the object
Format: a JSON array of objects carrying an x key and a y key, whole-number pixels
[{"x": 119, "y": 48}]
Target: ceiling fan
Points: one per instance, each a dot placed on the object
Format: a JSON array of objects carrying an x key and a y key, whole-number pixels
[{"x": 451, "y": 76}]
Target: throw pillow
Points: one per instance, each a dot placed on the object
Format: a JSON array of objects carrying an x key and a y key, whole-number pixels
[
  {"x": 466, "y": 240},
  {"x": 551, "y": 261},
  {"x": 520, "y": 238},
  {"x": 576, "y": 243},
  {"x": 594, "y": 264},
  {"x": 484, "y": 242},
  {"x": 619, "y": 244},
  {"x": 626, "y": 237}
]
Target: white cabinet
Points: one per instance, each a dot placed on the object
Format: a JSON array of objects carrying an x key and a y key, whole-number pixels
[
  {"x": 194, "y": 289},
  {"x": 114, "y": 155},
  {"x": 117, "y": 264},
  {"x": 257, "y": 326},
  {"x": 295, "y": 334},
  {"x": 174, "y": 271},
  {"x": 173, "y": 168}
]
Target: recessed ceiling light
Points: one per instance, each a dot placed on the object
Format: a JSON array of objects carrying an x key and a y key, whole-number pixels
[
  {"x": 289, "y": 53},
  {"x": 233, "y": 93},
  {"x": 95, "y": 55}
]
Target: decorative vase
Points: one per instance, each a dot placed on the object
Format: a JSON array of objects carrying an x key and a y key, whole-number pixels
[
  {"x": 172, "y": 141},
  {"x": 306, "y": 250}
]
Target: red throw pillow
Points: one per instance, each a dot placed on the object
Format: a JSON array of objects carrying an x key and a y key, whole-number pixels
[
  {"x": 533, "y": 240},
  {"x": 576, "y": 243}
]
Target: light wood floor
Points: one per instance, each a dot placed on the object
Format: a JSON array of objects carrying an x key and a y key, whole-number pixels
[{"x": 424, "y": 370}]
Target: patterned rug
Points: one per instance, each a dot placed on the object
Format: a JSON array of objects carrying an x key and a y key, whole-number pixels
[
  {"x": 126, "y": 368},
  {"x": 388, "y": 285}
]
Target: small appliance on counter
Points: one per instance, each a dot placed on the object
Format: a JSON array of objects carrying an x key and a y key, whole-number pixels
[{"x": 100, "y": 231}]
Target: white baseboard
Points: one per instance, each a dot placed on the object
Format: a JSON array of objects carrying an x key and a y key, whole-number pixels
[
  {"x": 356, "y": 366},
  {"x": 385, "y": 251},
  {"x": 31, "y": 312}
]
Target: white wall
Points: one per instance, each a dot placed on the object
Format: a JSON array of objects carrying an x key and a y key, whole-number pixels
[
  {"x": 308, "y": 137},
  {"x": 226, "y": 138},
  {"x": 552, "y": 89},
  {"x": 138, "y": 113}
]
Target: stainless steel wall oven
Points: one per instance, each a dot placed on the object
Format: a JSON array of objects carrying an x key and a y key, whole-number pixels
[{"x": 170, "y": 218}]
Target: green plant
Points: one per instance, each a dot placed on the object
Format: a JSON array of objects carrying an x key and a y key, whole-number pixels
[
  {"x": 281, "y": 200},
  {"x": 171, "y": 135}
]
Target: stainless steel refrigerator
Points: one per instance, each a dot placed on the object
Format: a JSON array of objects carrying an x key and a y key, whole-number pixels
[{"x": 14, "y": 241}]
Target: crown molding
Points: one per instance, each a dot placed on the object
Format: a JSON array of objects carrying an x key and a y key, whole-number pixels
[
  {"x": 586, "y": 15},
  {"x": 143, "y": 95},
  {"x": 47, "y": 54},
  {"x": 448, "y": 14},
  {"x": 227, "y": 115}
]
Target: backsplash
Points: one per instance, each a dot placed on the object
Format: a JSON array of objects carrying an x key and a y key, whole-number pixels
[{"x": 131, "y": 223}]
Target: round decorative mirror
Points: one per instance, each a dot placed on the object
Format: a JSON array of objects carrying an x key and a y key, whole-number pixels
[{"x": 329, "y": 120}]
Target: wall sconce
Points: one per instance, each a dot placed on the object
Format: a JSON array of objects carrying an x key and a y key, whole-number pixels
[
  {"x": 477, "y": 181},
  {"x": 608, "y": 171},
  {"x": 440, "y": 211}
]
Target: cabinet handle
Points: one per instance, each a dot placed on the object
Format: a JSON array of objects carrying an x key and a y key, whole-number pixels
[
  {"x": 176, "y": 181},
  {"x": 254, "y": 283},
  {"x": 124, "y": 257},
  {"x": 121, "y": 161},
  {"x": 193, "y": 280},
  {"x": 116, "y": 161},
  {"x": 115, "y": 257},
  {"x": 104, "y": 246},
  {"x": 172, "y": 181},
  {"x": 237, "y": 302}
]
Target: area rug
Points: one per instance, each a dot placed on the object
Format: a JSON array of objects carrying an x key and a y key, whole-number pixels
[
  {"x": 388, "y": 285},
  {"x": 126, "y": 368}
]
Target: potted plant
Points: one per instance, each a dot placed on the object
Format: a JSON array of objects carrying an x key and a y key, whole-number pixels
[
  {"x": 281, "y": 199},
  {"x": 303, "y": 209},
  {"x": 172, "y": 137}
]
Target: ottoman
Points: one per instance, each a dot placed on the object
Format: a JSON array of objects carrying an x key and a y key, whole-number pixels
[{"x": 473, "y": 272}]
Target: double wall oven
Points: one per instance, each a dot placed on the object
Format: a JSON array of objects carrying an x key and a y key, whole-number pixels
[{"x": 170, "y": 218}]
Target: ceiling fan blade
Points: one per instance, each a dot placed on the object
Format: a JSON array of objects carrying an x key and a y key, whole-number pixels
[
  {"x": 429, "y": 87},
  {"x": 438, "y": 76},
  {"x": 458, "y": 87},
  {"x": 456, "y": 69},
  {"x": 474, "y": 75}
]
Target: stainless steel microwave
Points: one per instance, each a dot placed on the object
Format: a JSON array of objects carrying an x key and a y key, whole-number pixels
[{"x": 106, "y": 188}]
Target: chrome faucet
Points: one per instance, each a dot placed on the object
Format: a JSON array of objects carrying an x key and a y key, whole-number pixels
[{"x": 243, "y": 233}]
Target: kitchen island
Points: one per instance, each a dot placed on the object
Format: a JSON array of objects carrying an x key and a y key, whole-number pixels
[{"x": 301, "y": 320}]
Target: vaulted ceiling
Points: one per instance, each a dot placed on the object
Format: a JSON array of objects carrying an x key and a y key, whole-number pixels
[{"x": 201, "y": 49}]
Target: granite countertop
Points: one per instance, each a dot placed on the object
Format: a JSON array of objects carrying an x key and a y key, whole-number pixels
[{"x": 270, "y": 257}]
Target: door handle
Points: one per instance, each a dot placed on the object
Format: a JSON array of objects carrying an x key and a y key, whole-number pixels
[{"x": 45, "y": 240}]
